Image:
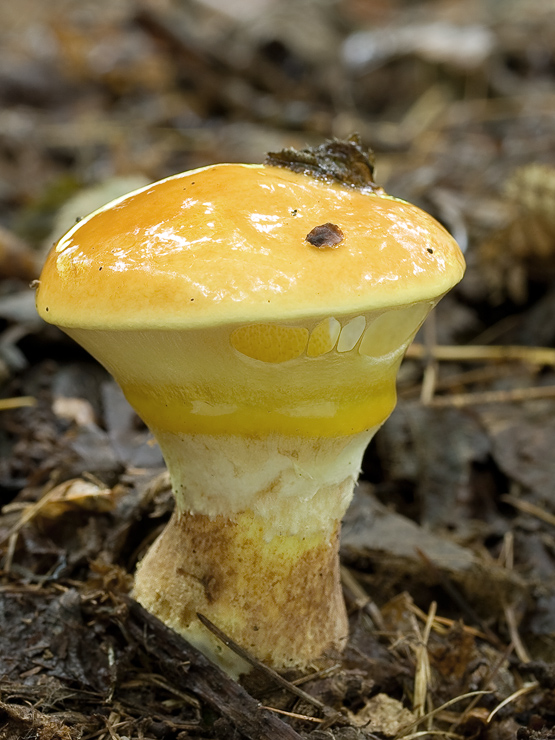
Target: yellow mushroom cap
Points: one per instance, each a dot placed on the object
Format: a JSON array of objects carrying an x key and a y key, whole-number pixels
[{"x": 228, "y": 244}]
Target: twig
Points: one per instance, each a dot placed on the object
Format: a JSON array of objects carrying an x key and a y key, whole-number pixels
[
  {"x": 521, "y": 692},
  {"x": 16, "y": 402},
  {"x": 483, "y": 374},
  {"x": 425, "y": 733},
  {"x": 442, "y": 624},
  {"x": 294, "y": 715},
  {"x": 361, "y": 598},
  {"x": 529, "y": 508},
  {"x": 514, "y": 634},
  {"x": 322, "y": 673},
  {"x": 506, "y": 558},
  {"x": 159, "y": 681},
  {"x": 459, "y": 400},
  {"x": 481, "y": 353},
  {"x": 422, "y": 675},
  {"x": 241, "y": 652},
  {"x": 405, "y": 730},
  {"x": 189, "y": 670}
]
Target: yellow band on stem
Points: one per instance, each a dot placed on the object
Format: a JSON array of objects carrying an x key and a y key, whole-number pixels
[{"x": 329, "y": 419}]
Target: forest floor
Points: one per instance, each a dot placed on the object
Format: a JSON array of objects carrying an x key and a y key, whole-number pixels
[{"x": 448, "y": 550}]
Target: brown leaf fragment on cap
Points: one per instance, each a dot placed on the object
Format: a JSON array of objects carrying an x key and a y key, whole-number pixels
[
  {"x": 326, "y": 235},
  {"x": 346, "y": 161}
]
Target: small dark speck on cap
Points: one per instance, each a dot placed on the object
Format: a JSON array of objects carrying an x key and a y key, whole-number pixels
[
  {"x": 430, "y": 250},
  {"x": 325, "y": 236}
]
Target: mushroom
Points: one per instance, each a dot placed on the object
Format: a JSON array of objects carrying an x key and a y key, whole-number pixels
[{"x": 255, "y": 317}]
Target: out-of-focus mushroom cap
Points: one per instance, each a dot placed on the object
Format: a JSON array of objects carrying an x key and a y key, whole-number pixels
[{"x": 228, "y": 244}]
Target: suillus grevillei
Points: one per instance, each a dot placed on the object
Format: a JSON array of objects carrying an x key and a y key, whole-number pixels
[{"x": 255, "y": 317}]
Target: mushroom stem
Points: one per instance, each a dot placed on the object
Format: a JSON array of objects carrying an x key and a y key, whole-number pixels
[{"x": 253, "y": 544}]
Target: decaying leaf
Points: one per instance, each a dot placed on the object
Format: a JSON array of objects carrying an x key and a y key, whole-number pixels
[
  {"x": 399, "y": 550},
  {"x": 70, "y": 495},
  {"x": 383, "y": 714},
  {"x": 18, "y": 721}
]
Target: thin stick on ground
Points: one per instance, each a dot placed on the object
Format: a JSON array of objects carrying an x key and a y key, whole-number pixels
[
  {"x": 361, "y": 598},
  {"x": 188, "y": 669},
  {"x": 529, "y": 508},
  {"x": 514, "y": 395},
  {"x": 405, "y": 732},
  {"x": 527, "y": 689},
  {"x": 482, "y": 353},
  {"x": 16, "y": 402},
  {"x": 242, "y": 653}
]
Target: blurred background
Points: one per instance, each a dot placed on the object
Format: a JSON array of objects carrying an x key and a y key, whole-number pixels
[
  {"x": 453, "y": 95},
  {"x": 457, "y": 503}
]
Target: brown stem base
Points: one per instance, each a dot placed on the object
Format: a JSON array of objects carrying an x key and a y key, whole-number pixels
[{"x": 279, "y": 598}]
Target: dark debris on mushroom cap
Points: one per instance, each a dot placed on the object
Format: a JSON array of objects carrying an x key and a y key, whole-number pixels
[
  {"x": 346, "y": 161},
  {"x": 325, "y": 235}
]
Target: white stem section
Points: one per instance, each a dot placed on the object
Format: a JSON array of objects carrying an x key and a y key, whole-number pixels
[
  {"x": 296, "y": 485},
  {"x": 253, "y": 544}
]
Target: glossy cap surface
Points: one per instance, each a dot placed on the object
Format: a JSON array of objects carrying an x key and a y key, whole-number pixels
[{"x": 235, "y": 243}]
